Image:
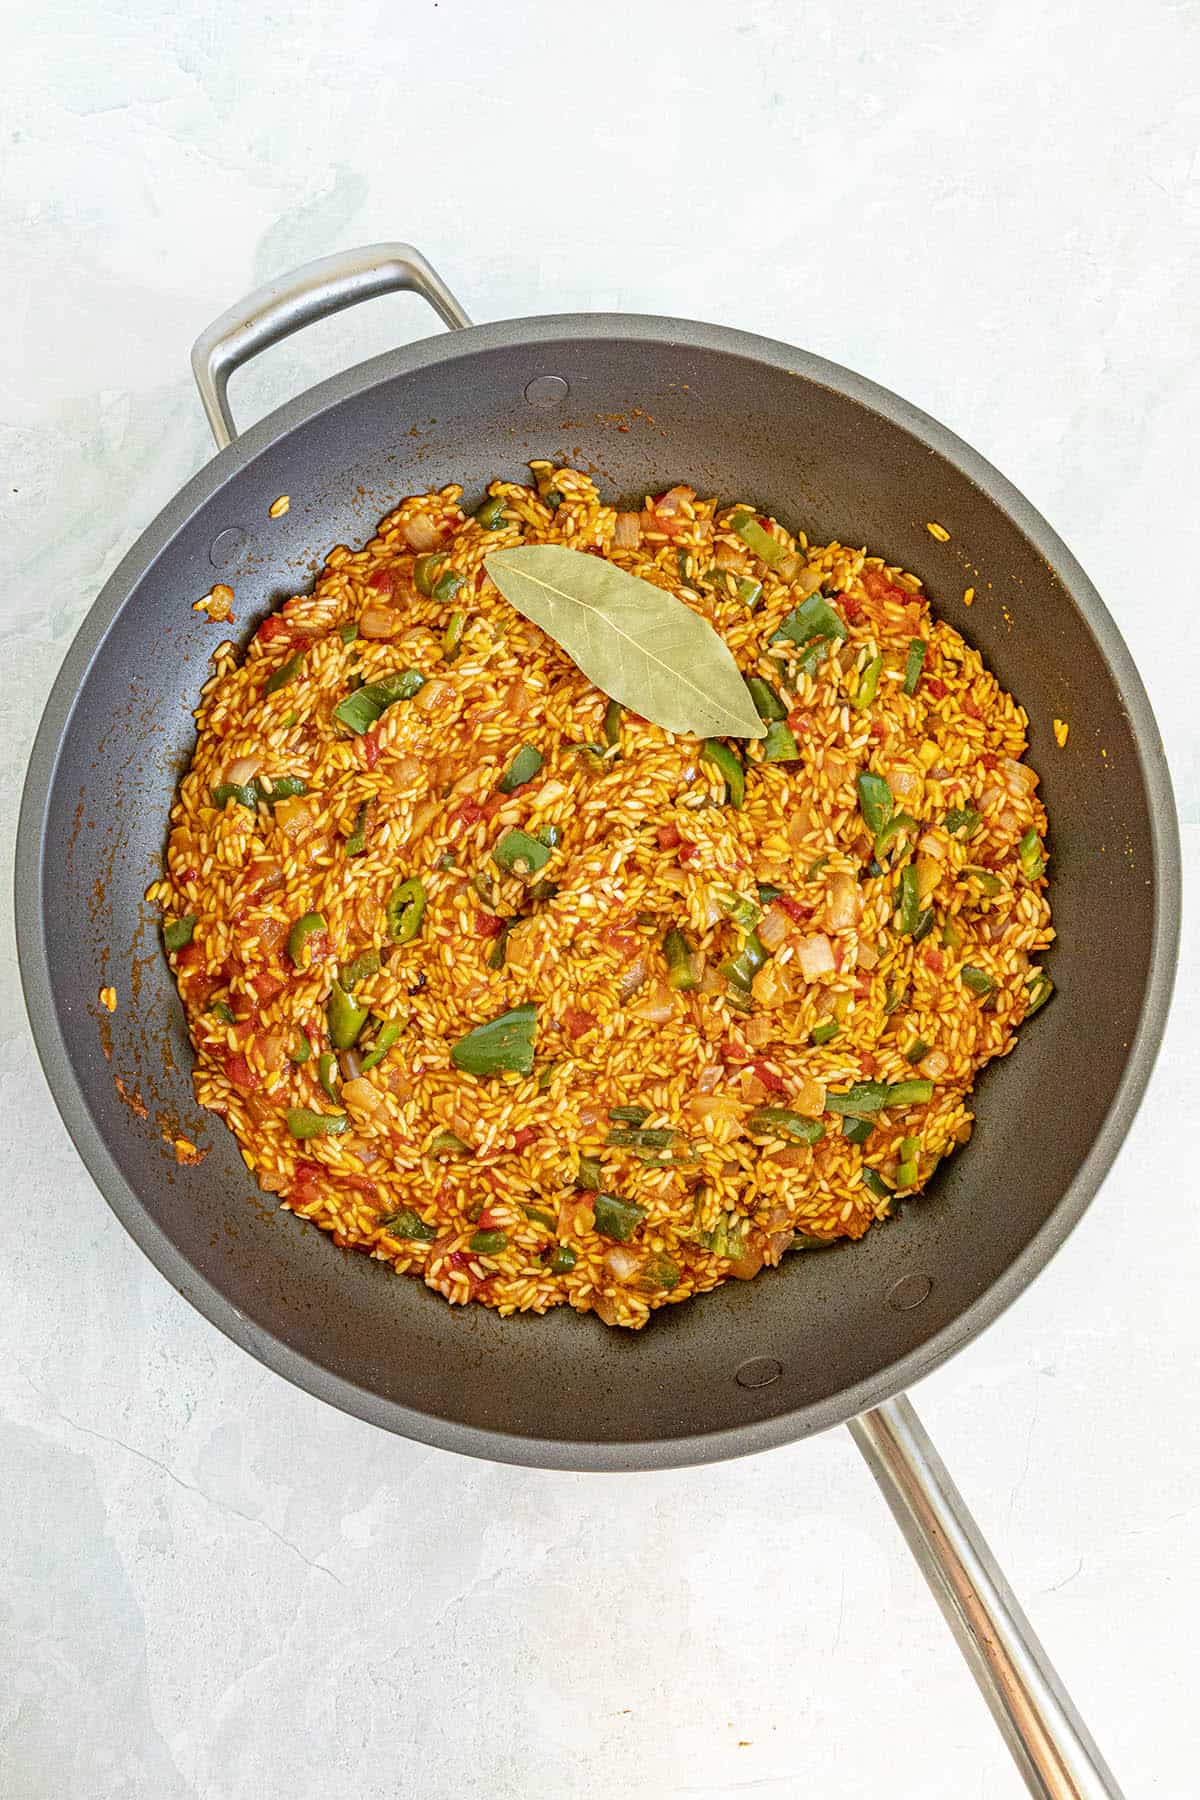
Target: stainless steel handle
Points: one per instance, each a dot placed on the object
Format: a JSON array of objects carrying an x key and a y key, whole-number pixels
[
  {"x": 313, "y": 292},
  {"x": 1049, "y": 1741}
]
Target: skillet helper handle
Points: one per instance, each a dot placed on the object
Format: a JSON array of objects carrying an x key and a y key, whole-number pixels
[
  {"x": 314, "y": 292},
  {"x": 1049, "y": 1741}
]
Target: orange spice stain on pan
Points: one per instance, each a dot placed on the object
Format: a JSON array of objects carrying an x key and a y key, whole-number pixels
[{"x": 131, "y": 1098}]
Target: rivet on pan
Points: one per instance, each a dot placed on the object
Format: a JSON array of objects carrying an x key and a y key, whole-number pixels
[
  {"x": 546, "y": 390},
  {"x": 226, "y": 547},
  {"x": 909, "y": 1291},
  {"x": 760, "y": 1371}
]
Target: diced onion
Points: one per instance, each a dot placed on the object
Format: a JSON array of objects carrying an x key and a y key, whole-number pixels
[
  {"x": 621, "y": 1263},
  {"x": 815, "y": 956},
  {"x": 433, "y": 695},
  {"x": 658, "y": 1006},
  {"x": 905, "y": 784},
  {"x": 746, "y": 1266},
  {"x": 627, "y": 532},
  {"x": 934, "y": 1066},
  {"x": 243, "y": 770},
  {"x": 633, "y": 976},
  {"x": 379, "y": 622},
  {"x": 773, "y": 927},
  {"x": 845, "y": 901},
  {"x": 420, "y": 533}
]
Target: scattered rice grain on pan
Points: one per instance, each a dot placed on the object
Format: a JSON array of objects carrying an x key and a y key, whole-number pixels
[{"x": 751, "y": 1031}]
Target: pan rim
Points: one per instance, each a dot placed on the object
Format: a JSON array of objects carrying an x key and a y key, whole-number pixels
[{"x": 259, "y": 1340}]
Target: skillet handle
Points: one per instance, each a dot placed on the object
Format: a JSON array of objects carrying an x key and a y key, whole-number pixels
[
  {"x": 314, "y": 292},
  {"x": 1049, "y": 1741}
]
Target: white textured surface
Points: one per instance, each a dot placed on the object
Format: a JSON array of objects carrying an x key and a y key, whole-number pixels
[{"x": 210, "y": 1585}]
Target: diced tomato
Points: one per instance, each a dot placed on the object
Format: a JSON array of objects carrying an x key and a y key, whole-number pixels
[
  {"x": 798, "y": 720},
  {"x": 877, "y": 731},
  {"x": 273, "y": 628},
  {"x": 764, "y": 522},
  {"x": 492, "y": 805},
  {"x": 577, "y": 1023},
  {"x": 461, "y": 1264},
  {"x": 867, "y": 1062},
  {"x": 488, "y": 1220},
  {"x": 936, "y": 688},
  {"x": 468, "y": 812},
  {"x": 839, "y": 953},
  {"x": 382, "y": 580},
  {"x": 687, "y": 850},
  {"x": 361, "y": 1184},
  {"x": 668, "y": 837},
  {"x": 624, "y": 942},
  {"x": 798, "y": 913},
  {"x": 303, "y": 1190},
  {"x": 487, "y": 925},
  {"x": 970, "y": 708},
  {"x": 934, "y": 961},
  {"x": 774, "y": 1084},
  {"x": 238, "y": 1070},
  {"x": 370, "y": 749},
  {"x": 989, "y": 761},
  {"x": 730, "y": 1051},
  {"x": 880, "y": 588},
  {"x": 267, "y": 985},
  {"x": 852, "y": 608},
  {"x": 523, "y": 1136}
]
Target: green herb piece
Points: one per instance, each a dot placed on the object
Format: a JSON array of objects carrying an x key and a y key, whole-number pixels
[
  {"x": 910, "y": 1093},
  {"x": 983, "y": 879},
  {"x": 962, "y": 819},
  {"x": 327, "y": 1074},
  {"x": 360, "y": 710},
  {"x": 1039, "y": 988},
  {"x": 563, "y": 1260},
  {"x": 874, "y": 801},
  {"x": 825, "y": 1032},
  {"x": 755, "y": 538},
  {"x": 523, "y": 767},
  {"x": 862, "y": 1100},
  {"x": 178, "y": 932},
  {"x": 348, "y": 633},
  {"x": 408, "y": 1224},
  {"x": 908, "y": 897},
  {"x": 638, "y": 644},
  {"x": 302, "y": 1047},
  {"x": 741, "y": 968},
  {"x": 385, "y": 1038},
  {"x": 220, "y": 1009},
  {"x": 304, "y": 1123},
  {"x": 658, "y": 1275},
  {"x": 286, "y": 672},
  {"x": 504, "y": 1043},
  {"x": 496, "y": 955},
  {"x": 914, "y": 663},
  {"x": 856, "y": 1130},
  {"x": 875, "y": 1184},
  {"x": 916, "y": 1050},
  {"x": 729, "y": 764},
  {"x": 345, "y": 1019},
  {"x": 629, "y": 1115},
  {"x": 406, "y": 909},
  {"x": 245, "y": 793},
  {"x": 635, "y": 1137},
  {"x": 309, "y": 925},
  {"x": 452, "y": 637},
  {"x": 681, "y": 961},
  {"x": 978, "y": 980},
  {"x": 868, "y": 684},
  {"x": 612, "y": 723},
  {"x": 490, "y": 516},
  {"x": 426, "y": 571},
  {"x": 1029, "y": 851},
  {"x": 766, "y": 699},
  {"x": 900, "y": 826},
  {"x": 616, "y": 1218},
  {"x": 356, "y": 843},
  {"x": 814, "y": 618},
  {"x": 360, "y": 968},
  {"x": 448, "y": 1143},
  {"x": 909, "y": 1168},
  {"x": 519, "y": 854},
  {"x": 778, "y": 1121},
  {"x": 779, "y": 745},
  {"x": 589, "y": 1173}
]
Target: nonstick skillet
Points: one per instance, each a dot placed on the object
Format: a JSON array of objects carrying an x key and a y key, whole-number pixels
[{"x": 643, "y": 402}]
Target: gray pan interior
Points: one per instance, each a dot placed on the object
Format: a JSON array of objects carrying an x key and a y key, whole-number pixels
[{"x": 648, "y": 402}]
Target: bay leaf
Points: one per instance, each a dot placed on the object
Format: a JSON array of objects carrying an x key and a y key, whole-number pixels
[{"x": 640, "y": 645}]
